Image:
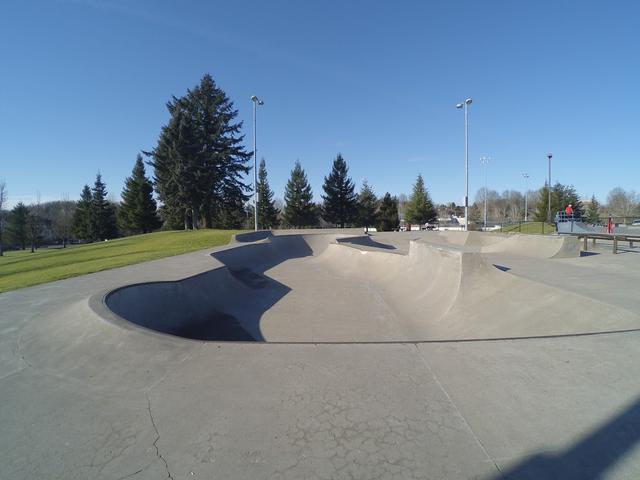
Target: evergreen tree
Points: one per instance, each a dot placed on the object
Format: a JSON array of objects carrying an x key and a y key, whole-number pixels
[
  {"x": 420, "y": 209},
  {"x": 34, "y": 226},
  {"x": 593, "y": 211},
  {"x": 388, "y": 214},
  {"x": 561, "y": 196},
  {"x": 17, "y": 225},
  {"x": 82, "y": 220},
  {"x": 171, "y": 219},
  {"x": 199, "y": 161},
  {"x": 231, "y": 214},
  {"x": 339, "y": 205},
  {"x": 299, "y": 210},
  {"x": 367, "y": 206},
  {"x": 3, "y": 200},
  {"x": 267, "y": 212},
  {"x": 138, "y": 211},
  {"x": 103, "y": 218},
  {"x": 176, "y": 168},
  {"x": 541, "y": 212}
]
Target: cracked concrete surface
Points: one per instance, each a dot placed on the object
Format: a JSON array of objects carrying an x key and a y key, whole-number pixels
[
  {"x": 81, "y": 397},
  {"x": 156, "y": 440}
]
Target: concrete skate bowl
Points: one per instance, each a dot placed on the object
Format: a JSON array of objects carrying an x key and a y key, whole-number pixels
[{"x": 319, "y": 288}]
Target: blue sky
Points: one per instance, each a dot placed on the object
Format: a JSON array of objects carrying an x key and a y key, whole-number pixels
[{"x": 84, "y": 85}]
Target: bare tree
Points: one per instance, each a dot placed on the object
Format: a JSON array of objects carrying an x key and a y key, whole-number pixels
[
  {"x": 500, "y": 207},
  {"x": 533, "y": 197},
  {"x": 63, "y": 219},
  {"x": 402, "y": 206},
  {"x": 514, "y": 204},
  {"x": 3, "y": 200},
  {"x": 621, "y": 202}
]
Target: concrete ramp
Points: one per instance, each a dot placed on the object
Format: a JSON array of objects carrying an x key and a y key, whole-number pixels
[
  {"x": 536, "y": 246},
  {"x": 463, "y": 239},
  {"x": 346, "y": 288}
]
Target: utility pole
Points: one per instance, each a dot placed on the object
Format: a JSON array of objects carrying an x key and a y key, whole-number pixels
[
  {"x": 256, "y": 101},
  {"x": 549, "y": 156},
  {"x": 485, "y": 162},
  {"x": 526, "y": 195},
  {"x": 465, "y": 105}
]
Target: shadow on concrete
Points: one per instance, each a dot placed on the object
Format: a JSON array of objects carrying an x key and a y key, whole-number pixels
[
  {"x": 588, "y": 459},
  {"x": 223, "y": 304},
  {"x": 588, "y": 254},
  {"x": 253, "y": 236},
  {"x": 365, "y": 241},
  {"x": 502, "y": 267}
]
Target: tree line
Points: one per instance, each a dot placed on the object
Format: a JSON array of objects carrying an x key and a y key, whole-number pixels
[
  {"x": 198, "y": 169},
  {"x": 341, "y": 206},
  {"x": 94, "y": 217},
  {"x": 509, "y": 206}
]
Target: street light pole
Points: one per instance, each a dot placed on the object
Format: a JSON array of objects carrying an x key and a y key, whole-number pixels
[
  {"x": 256, "y": 101},
  {"x": 465, "y": 105},
  {"x": 526, "y": 195},
  {"x": 485, "y": 162},
  {"x": 549, "y": 156}
]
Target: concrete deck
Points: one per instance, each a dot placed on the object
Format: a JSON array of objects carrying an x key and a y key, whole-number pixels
[{"x": 84, "y": 394}]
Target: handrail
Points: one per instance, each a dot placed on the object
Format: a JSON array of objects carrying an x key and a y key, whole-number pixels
[{"x": 624, "y": 237}]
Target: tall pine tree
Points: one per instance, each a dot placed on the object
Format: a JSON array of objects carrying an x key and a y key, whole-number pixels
[
  {"x": 367, "y": 206},
  {"x": 34, "y": 225},
  {"x": 267, "y": 211},
  {"x": 542, "y": 211},
  {"x": 299, "y": 210},
  {"x": 174, "y": 162},
  {"x": 138, "y": 210},
  {"x": 420, "y": 209},
  {"x": 593, "y": 211},
  {"x": 561, "y": 196},
  {"x": 103, "y": 217},
  {"x": 199, "y": 161},
  {"x": 565, "y": 195},
  {"x": 339, "y": 199},
  {"x": 82, "y": 218},
  {"x": 3, "y": 200},
  {"x": 17, "y": 225},
  {"x": 388, "y": 214}
]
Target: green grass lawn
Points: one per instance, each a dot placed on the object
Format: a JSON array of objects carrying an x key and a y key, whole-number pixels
[
  {"x": 529, "y": 227},
  {"x": 20, "y": 269}
]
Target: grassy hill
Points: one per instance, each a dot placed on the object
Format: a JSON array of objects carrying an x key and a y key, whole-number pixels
[
  {"x": 529, "y": 227},
  {"x": 20, "y": 269}
]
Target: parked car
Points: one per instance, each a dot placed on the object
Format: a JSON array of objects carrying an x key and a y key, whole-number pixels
[{"x": 636, "y": 223}]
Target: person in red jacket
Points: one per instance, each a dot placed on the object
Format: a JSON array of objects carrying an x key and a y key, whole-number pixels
[{"x": 569, "y": 211}]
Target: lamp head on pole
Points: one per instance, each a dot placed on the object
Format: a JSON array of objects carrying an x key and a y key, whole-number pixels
[
  {"x": 468, "y": 101},
  {"x": 255, "y": 99},
  {"x": 549, "y": 156}
]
